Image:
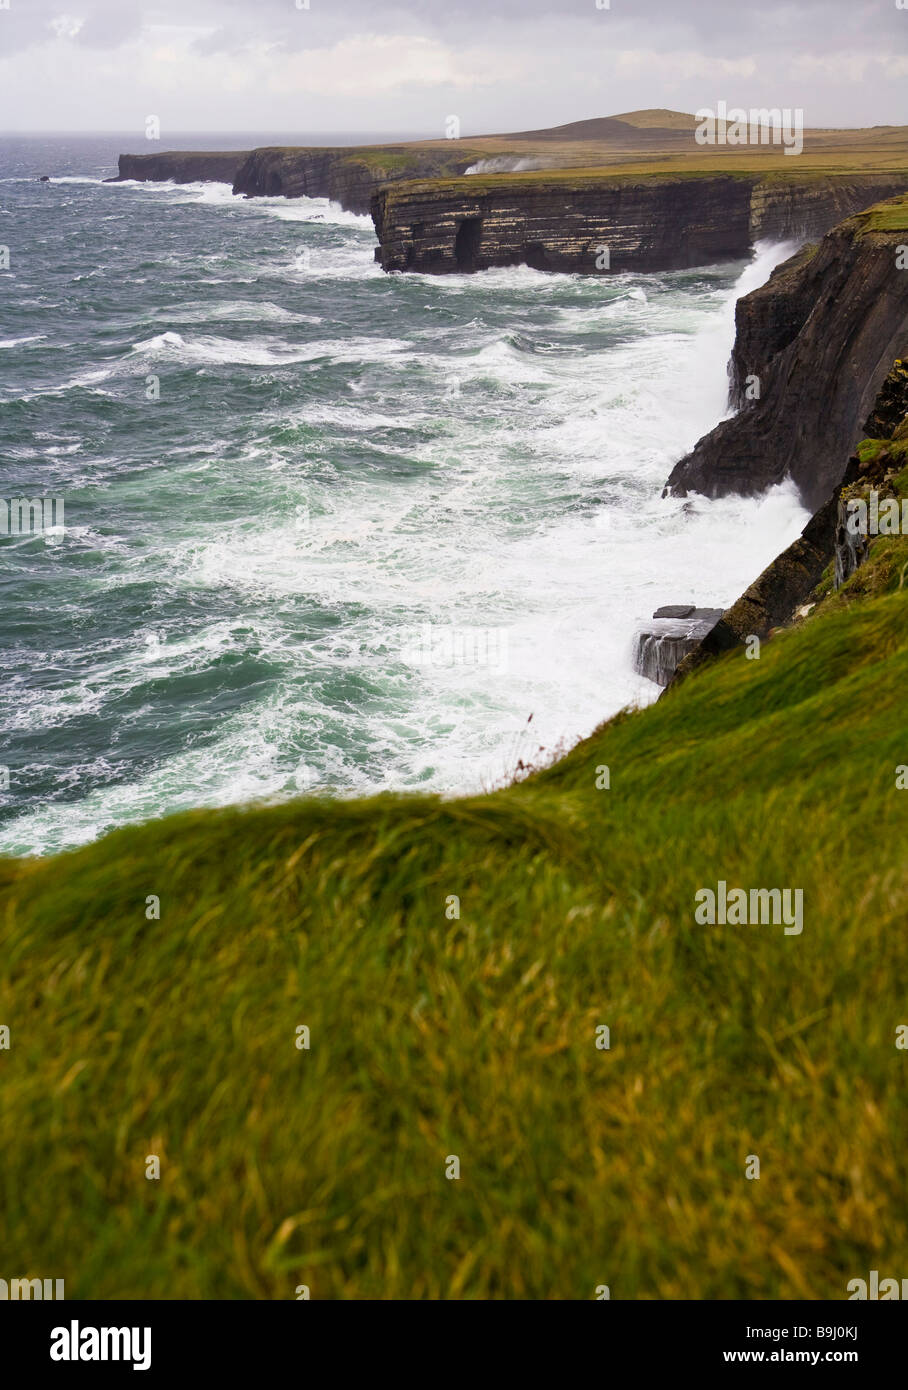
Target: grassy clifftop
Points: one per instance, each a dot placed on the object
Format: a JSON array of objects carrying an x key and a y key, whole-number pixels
[
  {"x": 889, "y": 216},
  {"x": 631, "y": 174},
  {"x": 433, "y": 1035}
]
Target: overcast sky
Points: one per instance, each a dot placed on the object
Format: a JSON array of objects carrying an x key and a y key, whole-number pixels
[{"x": 406, "y": 65}]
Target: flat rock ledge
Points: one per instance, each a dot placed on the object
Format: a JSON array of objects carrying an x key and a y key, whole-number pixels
[{"x": 675, "y": 630}]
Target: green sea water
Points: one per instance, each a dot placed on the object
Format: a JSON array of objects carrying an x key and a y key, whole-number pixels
[{"x": 327, "y": 529}]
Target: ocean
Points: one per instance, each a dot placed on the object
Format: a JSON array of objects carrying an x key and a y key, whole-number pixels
[{"x": 328, "y": 530}]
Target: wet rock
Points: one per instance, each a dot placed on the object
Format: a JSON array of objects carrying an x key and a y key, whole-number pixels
[
  {"x": 821, "y": 337},
  {"x": 886, "y": 420},
  {"x": 851, "y": 550},
  {"x": 773, "y": 597},
  {"x": 663, "y": 643},
  {"x": 779, "y": 595},
  {"x": 674, "y": 610}
]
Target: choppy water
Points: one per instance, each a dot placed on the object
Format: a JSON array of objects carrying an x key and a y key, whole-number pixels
[{"x": 344, "y": 472}]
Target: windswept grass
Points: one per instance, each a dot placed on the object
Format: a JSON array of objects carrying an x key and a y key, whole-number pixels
[
  {"x": 632, "y": 173},
  {"x": 890, "y": 216},
  {"x": 450, "y": 157},
  {"x": 433, "y": 1035}
]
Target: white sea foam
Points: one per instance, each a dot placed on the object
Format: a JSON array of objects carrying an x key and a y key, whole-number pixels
[
  {"x": 508, "y": 477},
  {"x": 237, "y": 311},
  {"x": 20, "y": 342},
  {"x": 211, "y": 350},
  {"x": 285, "y": 209},
  {"x": 83, "y": 381},
  {"x": 313, "y": 210}
]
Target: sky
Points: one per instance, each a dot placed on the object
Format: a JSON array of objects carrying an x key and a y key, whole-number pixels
[{"x": 408, "y": 65}]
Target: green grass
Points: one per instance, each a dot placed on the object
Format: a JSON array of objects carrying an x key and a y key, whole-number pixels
[
  {"x": 388, "y": 164},
  {"x": 385, "y": 161},
  {"x": 890, "y": 216},
  {"x": 894, "y": 451},
  {"x": 630, "y": 173},
  {"x": 476, "y": 1036}
]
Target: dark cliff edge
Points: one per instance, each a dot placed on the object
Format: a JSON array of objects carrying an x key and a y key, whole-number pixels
[
  {"x": 772, "y": 599},
  {"x": 346, "y": 176},
  {"x": 563, "y": 221},
  {"x": 792, "y": 208},
  {"x": 429, "y": 216},
  {"x": 827, "y": 553},
  {"x": 818, "y": 339},
  {"x": 179, "y": 166}
]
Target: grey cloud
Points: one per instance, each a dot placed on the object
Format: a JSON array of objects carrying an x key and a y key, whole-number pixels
[
  {"x": 561, "y": 52},
  {"x": 109, "y": 27},
  {"x": 705, "y": 24},
  {"x": 711, "y": 26}
]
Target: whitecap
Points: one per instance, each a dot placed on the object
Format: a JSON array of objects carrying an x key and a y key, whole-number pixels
[{"x": 19, "y": 342}]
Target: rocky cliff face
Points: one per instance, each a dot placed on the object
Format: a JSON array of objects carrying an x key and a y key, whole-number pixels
[
  {"x": 800, "y": 209},
  {"x": 768, "y": 320},
  {"x": 816, "y": 342},
  {"x": 276, "y": 173},
  {"x": 348, "y": 177},
  {"x": 781, "y": 593},
  {"x": 591, "y": 225},
  {"x": 773, "y": 597},
  {"x": 561, "y": 221},
  {"x": 180, "y": 166},
  {"x": 874, "y": 470},
  {"x": 559, "y": 229}
]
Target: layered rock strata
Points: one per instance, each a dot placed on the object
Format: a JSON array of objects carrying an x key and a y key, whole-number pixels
[
  {"x": 180, "y": 166},
  {"x": 812, "y": 350},
  {"x": 785, "y": 586},
  {"x": 601, "y": 223}
]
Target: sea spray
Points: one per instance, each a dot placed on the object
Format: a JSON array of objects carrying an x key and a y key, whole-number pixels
[{"x": 472, "y": 454}]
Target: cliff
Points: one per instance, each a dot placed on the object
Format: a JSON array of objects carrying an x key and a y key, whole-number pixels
[
  {"x": 818, "y": 339},
  {"x": 772, "y": 599},
  {"x": 562, "y": 222},
  {"x": 346, "y": 176},
  {"x": 560, "y": 219},
  {"x": 827, "y": 554},
  {"x": 798, "y": 209},
  {"x": 180, "y": 166},
  {"x": 339, "y": 998},
  {"x": 832, "y": 180}
]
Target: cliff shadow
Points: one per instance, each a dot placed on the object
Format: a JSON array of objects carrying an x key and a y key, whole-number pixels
[{"x": 466, "y": 242}]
